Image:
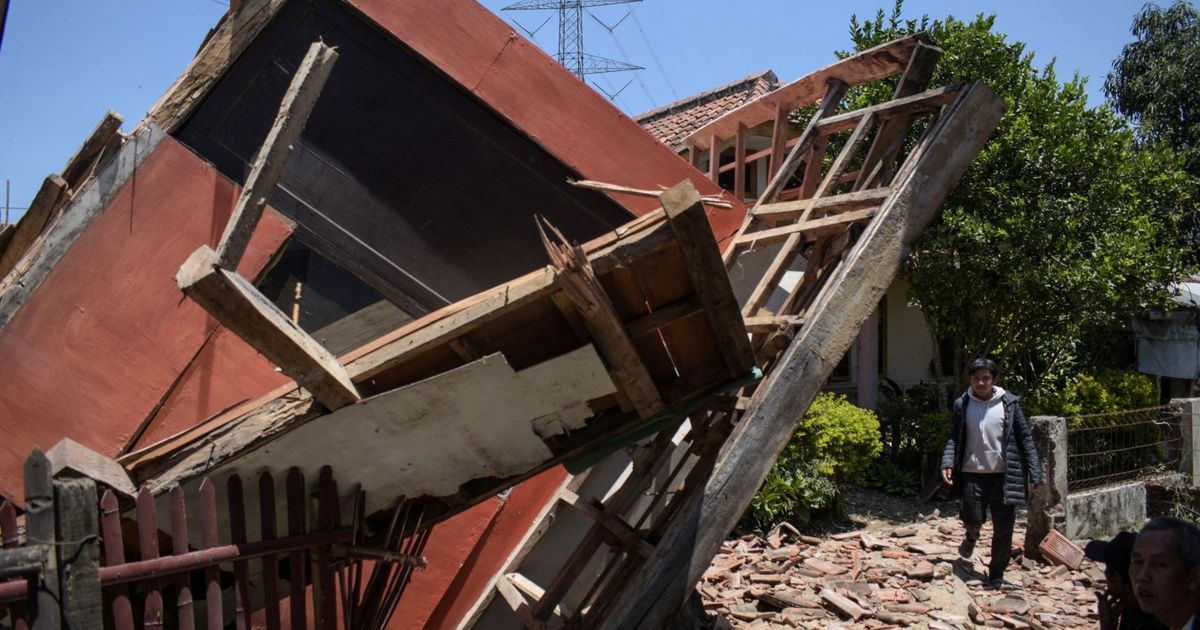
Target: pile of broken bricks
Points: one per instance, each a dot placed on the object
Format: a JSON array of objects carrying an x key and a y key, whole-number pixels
[{"x": 897, "y": 577}]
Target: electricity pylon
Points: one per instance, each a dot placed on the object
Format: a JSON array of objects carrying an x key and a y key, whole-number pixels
[{"x": 570, "y": 35}]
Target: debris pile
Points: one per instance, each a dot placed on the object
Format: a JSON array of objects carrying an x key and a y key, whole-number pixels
[{"x": 903, "y": 576}]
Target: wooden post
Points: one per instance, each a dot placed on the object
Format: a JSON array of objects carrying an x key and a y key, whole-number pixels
[
  {"x": 714, "y": 158},
  {"x": 40, "y": 530},
  {"x": 658, "y": 590},
  {"x": 297, "y": 104},
  {"x": 739, "y": 162},
  {"x": 79, "y": 551}
]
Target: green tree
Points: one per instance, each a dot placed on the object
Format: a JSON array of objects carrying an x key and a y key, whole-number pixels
[
  {"x": 1060, "y": 229},
  {"x": 1155, "y": 83}
]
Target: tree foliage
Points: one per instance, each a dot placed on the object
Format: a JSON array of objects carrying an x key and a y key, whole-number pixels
[
  {"x": 1155, "y": 83},
  {"x": 1061, "y": 227}
]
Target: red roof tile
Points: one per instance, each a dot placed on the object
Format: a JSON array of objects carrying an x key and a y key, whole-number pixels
[{"x": 672, "y": 123}]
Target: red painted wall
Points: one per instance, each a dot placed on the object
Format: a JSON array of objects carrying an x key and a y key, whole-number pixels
[{"x": 97, "y": 345}]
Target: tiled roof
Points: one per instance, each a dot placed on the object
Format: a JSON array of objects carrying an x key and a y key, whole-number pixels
[{"x": 672, "y": 123}]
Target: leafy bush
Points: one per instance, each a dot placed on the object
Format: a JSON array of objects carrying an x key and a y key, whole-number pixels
[
  {"x": 834, "y": 444},
  {"x": 886, "y": 476},
  {"x": 1110, "y": 391}
]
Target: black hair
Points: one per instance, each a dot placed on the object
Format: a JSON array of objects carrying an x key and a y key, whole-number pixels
[
  {"x": 1187, "y": 534},
  {"x": 983, "y": 363}
]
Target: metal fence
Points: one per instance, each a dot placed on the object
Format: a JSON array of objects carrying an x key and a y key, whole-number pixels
[{"x": 1110, "y": 448}]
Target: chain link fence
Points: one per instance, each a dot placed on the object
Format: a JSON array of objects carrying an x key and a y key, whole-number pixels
[{"x": 1110, "y": 448}]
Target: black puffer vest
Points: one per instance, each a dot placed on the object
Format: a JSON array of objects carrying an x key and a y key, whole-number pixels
[{"x": 1018, "y": 445}]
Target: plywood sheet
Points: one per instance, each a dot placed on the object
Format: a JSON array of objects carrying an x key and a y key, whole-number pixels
[{"x": 96, "y": 347}]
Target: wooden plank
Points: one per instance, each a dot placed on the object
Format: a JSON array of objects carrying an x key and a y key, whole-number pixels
[
  {"x": 662, "y": 316},
  {"x": 535, "y": 592},
  {"x": 766, "y": 324},
  {"x": 81, "y": 165},
  {"x": 326, "y": 596},
  {"x": 702, "y": 259},
  {"x": 778, "y": 138},
  {"x": 888, "y": 141},
  {"x": 208, "y": 539},
  {"x": 46, "y": 202},
  {"x": 711, "y": 200},
  {"x": 834, "y": 92},
  {"x": 658, "y": 590},
  {"x": 296, "y": 565},
  {"x": 614, "y": 524},
  {"x": 739, "y": 162},
  {"x": 79, "y": 570},
  {"x": 876, "y": 63},
  {"x": 841, "y": 161},
  {"x": 714, "y": 158},
  {"x": 147, "y": 526},
  {"x": 241, "y": 568},
  {"x": 40, "y": 529},
  {"x": 519, "y": 605},
  {"x": 809, "y": 229},
  {"x": 912, "y": 104},
  {"x": 266, "y": 502},
  {"x": 185, "y": 616},
  {"x": 12, "y": 539},
  {"x": 72, "y": 458},
  {"x": 239, "y": 306},
  {"x": 114, "y": 555},
  {"x": 224, "y": 46},
  {"x": 297, "y": 104},
  {"x": 579, "y": 282},
  {"x": 789, "y": 210}
]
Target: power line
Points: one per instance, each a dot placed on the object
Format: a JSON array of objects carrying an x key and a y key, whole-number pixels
[
  {"x": 657, "y": 61},
  {"x": 637, "y": 76}
]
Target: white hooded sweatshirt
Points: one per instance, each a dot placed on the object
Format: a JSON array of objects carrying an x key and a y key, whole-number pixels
[{"x": 985, "y": 433}]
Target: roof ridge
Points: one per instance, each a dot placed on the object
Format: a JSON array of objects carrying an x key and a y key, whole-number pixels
[{"x": 712, "y": 94}]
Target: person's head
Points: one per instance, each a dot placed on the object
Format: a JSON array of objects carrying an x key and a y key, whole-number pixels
[
  {"x": 1165, "y": 569},
  {"x": 983, "y": 373},
  {"x": 1115, "y": 556}
]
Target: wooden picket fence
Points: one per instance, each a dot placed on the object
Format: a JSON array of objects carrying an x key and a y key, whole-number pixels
[{"x": 54, "y": 576}]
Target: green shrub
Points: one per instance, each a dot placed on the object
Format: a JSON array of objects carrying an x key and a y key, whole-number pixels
[
  {"x": 885, "y": 476},
  {"x": 1107, "y": 392},
  {"x": 834, "y": 444}
]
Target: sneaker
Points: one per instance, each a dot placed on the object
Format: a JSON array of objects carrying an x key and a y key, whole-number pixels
[
  {"x": 966, "y": 548},
  {"x": 1001, "y": 584}
]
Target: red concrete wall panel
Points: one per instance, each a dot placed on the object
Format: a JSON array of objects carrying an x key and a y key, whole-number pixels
[
  {"x": 99, "y": 343},
  {"x": 508, "y": 527},
  {"x": 450, "y": 549},
  {"x": 541, "y": 98},
  {"x": 226, "y": 372}
]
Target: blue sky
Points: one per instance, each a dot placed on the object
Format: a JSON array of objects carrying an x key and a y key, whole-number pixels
[{"x": 64, "y": 63}]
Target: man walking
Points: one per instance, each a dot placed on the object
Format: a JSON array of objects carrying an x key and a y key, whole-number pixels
[{"x": 988, "y": 454}]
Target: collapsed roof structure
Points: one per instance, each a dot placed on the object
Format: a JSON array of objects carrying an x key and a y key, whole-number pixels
[{"x": 390, "y": 314}]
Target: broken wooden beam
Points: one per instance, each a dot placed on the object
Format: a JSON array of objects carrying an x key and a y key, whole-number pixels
[
  {"x": 702, "y": 256},
  {"x": 628, "y": 537},
  {"x": 579, "y": 282},
  {"x": 711, "y": 200},
  {"x": 80, "y": 167},
  {"x": 240, "y": 307},
  {"x": 268, "y": 166},
  {"x": 46, "y": 202}
]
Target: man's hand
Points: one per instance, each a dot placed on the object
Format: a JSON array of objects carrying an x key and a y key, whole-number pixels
[
  {"x": 948, "y": 476},
  {"x": 1108, "y": 608}
]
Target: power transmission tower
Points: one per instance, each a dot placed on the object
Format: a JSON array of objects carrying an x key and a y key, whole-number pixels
[{"x": 570, "y": 35}]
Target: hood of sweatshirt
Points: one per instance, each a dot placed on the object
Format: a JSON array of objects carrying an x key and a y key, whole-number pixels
[{"x": 997, "y": 394}]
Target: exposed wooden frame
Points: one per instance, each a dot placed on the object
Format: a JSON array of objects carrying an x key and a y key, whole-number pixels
[
  {"x": 877, "y": 63},
  {"x": 657, "y": 591}
]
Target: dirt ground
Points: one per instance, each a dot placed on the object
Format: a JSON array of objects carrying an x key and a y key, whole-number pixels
[{"x": 891, "y": 564}]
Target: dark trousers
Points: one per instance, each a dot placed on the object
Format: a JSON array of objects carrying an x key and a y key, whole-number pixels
[{"x": 981, "y": 493}]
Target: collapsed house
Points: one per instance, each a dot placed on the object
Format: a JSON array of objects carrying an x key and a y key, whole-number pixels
[{"x": 389, "y": 320}]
